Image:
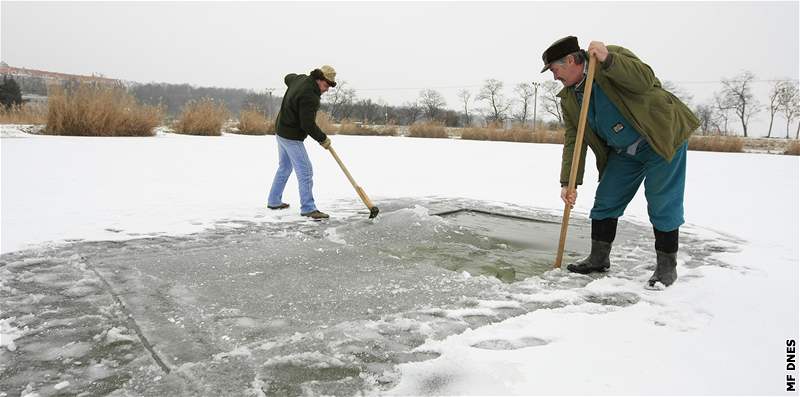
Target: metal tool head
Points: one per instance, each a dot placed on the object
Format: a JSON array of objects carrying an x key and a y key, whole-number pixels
[{"x": 373, "y": 212}]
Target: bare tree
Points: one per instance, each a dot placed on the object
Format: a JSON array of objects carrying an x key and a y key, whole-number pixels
[
  {"x": 451, "y": 118},
  {"x": 432, "y": 102},
  {"x": 705, "y": 113},
  {"x": 524, "y": 93},
  {"x": 492, "y": 93},
  {"x": 367, "y": 111},
  {"x": 721, "y": 114},
  {"x": 411, "y": 112},
  {"x": 679, "y": 92},
  {"x": 340, "y": 100},
  {"x": 551, "y": 103},
  {"x": 773, "y": 102},
  {"x": 465, "y": 96},
  {"x": 789, "y": 104},
  {"x": 739, "y": 96}
]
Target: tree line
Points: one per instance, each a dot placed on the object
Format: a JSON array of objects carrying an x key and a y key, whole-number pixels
[
  {"x": 175, "y": 96},
  {"x": 342, "y": 103},
  {"x": 490, "y": 105},
  {"x": 526, "y": 103},
  {"x": 735, "y": 103}
]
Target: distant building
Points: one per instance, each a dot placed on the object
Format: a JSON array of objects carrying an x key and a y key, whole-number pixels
[{"x": 53, "y": 76}]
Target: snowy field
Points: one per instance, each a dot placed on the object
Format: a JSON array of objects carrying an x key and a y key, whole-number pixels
[{"x": 150, "y": 266}]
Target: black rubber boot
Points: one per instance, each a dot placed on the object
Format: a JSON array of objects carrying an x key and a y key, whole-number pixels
[
  {"x": 666, "y": 258},
  {"x": 665, "y": 269},
  {"x": 597, "y": 261},
  {"x": 603, "y": 233}
]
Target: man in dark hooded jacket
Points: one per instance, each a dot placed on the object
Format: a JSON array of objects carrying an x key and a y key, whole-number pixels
[{"x": 296, "y": 121}]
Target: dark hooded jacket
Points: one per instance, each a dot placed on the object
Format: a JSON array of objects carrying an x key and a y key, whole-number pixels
[{"x": 296, "y": 119}]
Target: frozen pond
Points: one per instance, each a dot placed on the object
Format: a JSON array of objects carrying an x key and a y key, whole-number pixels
[{"x": 288, "y": 308}]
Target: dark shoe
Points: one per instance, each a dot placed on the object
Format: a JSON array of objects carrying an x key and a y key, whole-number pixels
[
  {"x": 278, "y": 207},
  {"x": 316, "y": 215},
  {"x": 665, "y": 269},
  {"x": 597, "y": 261}
]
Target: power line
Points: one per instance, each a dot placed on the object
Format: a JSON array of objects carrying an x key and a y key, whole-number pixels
[
  {"x": 731, "y": 81},
  {"x": 416, "y": 88},
  {"x": 478, "y": 86}
]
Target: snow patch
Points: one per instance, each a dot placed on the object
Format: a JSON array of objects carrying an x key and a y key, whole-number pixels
[
  {"x": 241, "y": 351},
  {"x": 118, "y": 334},
  {"x": 9, "y": 333},
  {"x": 256, "y": 388},
  {"x": 314, "y": 360},
  {"x": 61, "y": 385},
  {"x": 331, "y": 235},
  {"x": 19, "y": 130}
]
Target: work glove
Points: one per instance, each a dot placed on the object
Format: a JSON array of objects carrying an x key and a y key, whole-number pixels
[{"x": 326, "y": 143}]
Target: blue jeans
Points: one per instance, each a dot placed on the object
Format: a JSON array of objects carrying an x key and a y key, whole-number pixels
[
  {"x": 663, "y": 186},
  {"x": 292, "y": 155}
]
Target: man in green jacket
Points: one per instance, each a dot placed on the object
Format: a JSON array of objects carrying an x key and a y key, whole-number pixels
[
  {"x": 638, "y": 132},
  {"x": 296, "y": 121}
]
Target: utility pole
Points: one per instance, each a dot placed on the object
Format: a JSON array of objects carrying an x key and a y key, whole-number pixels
[
  {"x": 269, "y": 103},
  {"x": 536, "y": 85}
]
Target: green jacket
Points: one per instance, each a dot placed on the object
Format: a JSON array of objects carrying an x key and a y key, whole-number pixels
[
  {"x": 631, "y": 85},
  {"x": 296, "y": 119}
]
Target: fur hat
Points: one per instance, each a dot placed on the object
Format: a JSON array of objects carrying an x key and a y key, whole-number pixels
[
  {"x": 327, "y": 73},
  {"x": 558, "y": 50}
]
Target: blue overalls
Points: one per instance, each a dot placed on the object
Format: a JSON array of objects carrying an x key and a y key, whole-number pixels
[{"x": 630, "y": 161}]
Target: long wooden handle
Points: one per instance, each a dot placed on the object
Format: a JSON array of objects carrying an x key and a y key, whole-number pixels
[
  {"x": 359, "y": 190},
  {"x": 576, "y": 157}
]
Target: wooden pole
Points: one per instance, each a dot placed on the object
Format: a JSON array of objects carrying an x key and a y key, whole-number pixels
[
  {"x": 359, "y": 190},
  {"x": 576, "y": 157}
]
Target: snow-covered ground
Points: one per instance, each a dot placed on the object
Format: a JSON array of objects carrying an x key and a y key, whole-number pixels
[{"x": 721, "y": 329}]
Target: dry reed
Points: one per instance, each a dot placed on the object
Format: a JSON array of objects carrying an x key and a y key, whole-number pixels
[
  {"x": 716, "y": 143},
  {"x": 427, "y": 129},
  {"x": 28, "y": 113},
  {"x": 99, "y": 110},
  {"x": 253, "y": 122},
  {"x": 202, "y": 117}
]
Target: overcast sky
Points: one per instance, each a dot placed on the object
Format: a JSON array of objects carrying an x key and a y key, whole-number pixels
[{"x": 391, "y": 51}]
